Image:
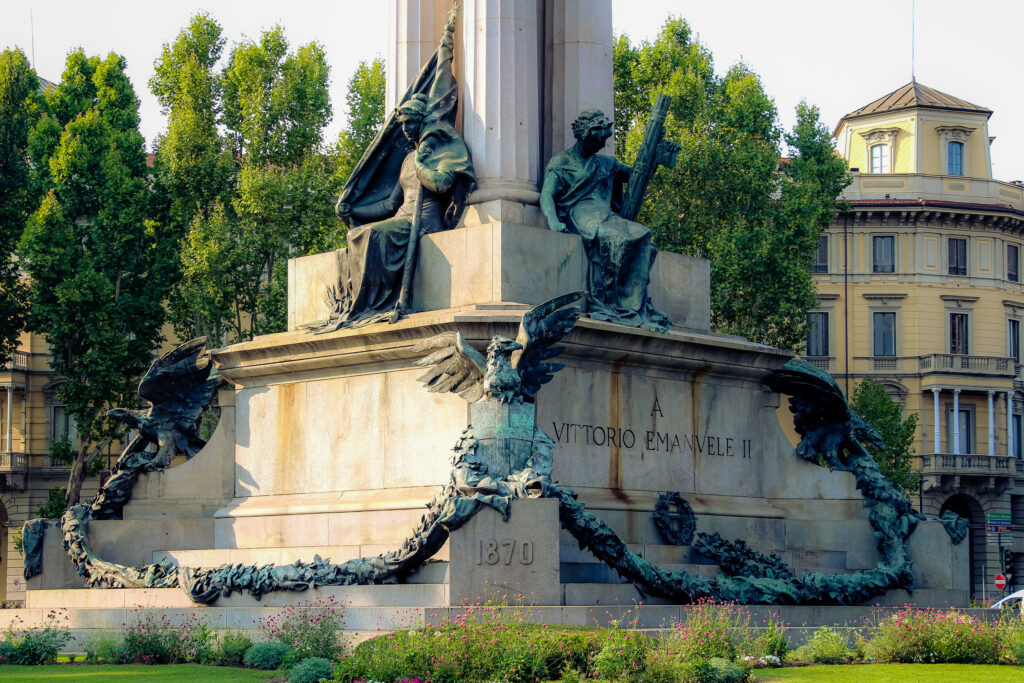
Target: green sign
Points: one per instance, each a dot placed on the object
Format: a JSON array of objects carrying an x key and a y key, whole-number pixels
[{"x": 998, "y": 522}]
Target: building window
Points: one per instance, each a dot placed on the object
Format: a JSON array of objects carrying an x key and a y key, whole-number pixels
[
  {"x": 954, "y": 158},
  {"x": 817, "y": 338},
  {"x": 63, "y": 427},
  {"x": 965, "y": 418},
  {"x": 883, "y": 254},
  {"x": 880, "y": 158},
  {"x": 821, "y": 255},
  {"x": 1012, "y": 263},
  {"x": 1016, "y": 436},
  {"x": 1013, "y": 339},
  {"x": 957, "y": 256},
  {"x": 884, "y": 333},
  {"x": 958, "y": 335}
]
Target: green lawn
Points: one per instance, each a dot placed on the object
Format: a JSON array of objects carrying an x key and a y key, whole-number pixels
[
  {"x": 105, "y": 672},
  {"x": 896, "y": 673}
]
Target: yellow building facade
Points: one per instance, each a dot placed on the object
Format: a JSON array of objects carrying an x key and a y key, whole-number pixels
[{"x": 920, "y": 288}]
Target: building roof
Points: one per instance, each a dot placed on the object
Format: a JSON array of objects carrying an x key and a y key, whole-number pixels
[
  {"x": 45, "y": 85},
  {"x": 912, "y": 95}
]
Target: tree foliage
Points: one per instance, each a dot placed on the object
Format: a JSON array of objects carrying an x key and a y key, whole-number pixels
[
  {"x": 99, "y": 266},
  {"x": 365, "y": 100},
  {"x": 731, "y": 198},
  {"x": 20, "y": 107},
  {"x": 872, "y": 402},
  {"x": 241, "y": 171}
]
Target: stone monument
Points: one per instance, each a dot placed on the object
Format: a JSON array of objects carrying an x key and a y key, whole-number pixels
[{"x": 333, "y": 469}]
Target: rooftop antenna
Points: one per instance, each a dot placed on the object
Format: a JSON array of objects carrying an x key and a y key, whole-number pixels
[
  {"x": 913, "y": 38},
  {"x": 32, "y": 30}
]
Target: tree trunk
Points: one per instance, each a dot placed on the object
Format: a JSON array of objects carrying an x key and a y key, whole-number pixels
[
  {"x": 77, "y": 476},
  {"x": 79, "y": 467}
]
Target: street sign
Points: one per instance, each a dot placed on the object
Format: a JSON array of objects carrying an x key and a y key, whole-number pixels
[
  {"x": 997, "y": 522},
  {"x": 1000, "y": 582}
]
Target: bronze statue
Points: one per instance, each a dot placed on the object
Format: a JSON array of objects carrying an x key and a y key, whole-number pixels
[
  {"x": 413, "y": 180},
  {"x": 582, "y": 194}
]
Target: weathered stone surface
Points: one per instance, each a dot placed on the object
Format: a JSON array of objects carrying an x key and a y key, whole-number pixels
[
  {"x": 504, "y": 263},
  {"x": 518, "y": 557}
]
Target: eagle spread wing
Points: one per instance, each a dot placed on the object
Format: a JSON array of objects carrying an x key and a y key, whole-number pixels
[
  {"x": 178, "y": 386},
  {"x": 540, "y": 329},
  {"x": 454, "y": 366}
]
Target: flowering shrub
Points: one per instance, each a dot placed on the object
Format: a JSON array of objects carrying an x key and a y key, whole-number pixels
[
  {"x": 266, "y": 656},
  {"x": 934, "y": 636},
  {"x": 149, "y": 639},
  {"x": 36, "y": 646},
  {"x": 310, "y": 629}
]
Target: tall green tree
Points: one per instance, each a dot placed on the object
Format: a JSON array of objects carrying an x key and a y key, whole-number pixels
[
  {"x": 20, "y": 107},
  {"x": 731, "y": 198},
  {"x": 242, "y": 168},
  {"x": 872, "y": 402},
  {"x": 365, "y": 100},
  {"x": 99, "y": 268}
]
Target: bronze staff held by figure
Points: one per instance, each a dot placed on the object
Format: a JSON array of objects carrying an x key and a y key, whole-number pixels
[{"x": 582, "y": 194}]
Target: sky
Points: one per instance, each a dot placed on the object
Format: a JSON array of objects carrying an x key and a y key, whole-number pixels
[{"x": 838, "y": 56}]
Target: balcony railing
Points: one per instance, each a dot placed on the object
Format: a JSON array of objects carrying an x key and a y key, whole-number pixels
[
  {"x": 826, "y": 363},
  {"x": 972, "y": 463},
  {"x": 17, "y": 361},
  {"x": 13, "y": 462},
  {"x": 937, "y": 187},
  {"x": 884, "y": 364},
  {"x": 964, "y": 364}
]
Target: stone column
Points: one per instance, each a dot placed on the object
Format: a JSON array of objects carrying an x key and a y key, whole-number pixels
[
  {"x": 1010, "y": 441},
  {"x": 10, "y": 418},
  {"x": 956, "y": 422},
  {"x": 991, "y": 424},
  {"x": 414, "y": 29},
  {"x": 937, "y": 421},
  {"x": 577, "y": 68},
  {"x": 501, "y": 81}
]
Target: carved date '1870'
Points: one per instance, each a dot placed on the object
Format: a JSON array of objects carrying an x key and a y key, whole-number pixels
[{"x": 505, "y": 552}]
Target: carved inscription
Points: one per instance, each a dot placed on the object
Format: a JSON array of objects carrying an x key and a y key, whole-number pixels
[
  {"x": 506, "y": 552},
  {"x": 652, "y": 440}
]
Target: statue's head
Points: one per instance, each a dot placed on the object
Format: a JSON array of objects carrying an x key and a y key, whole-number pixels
[
  {"x": 592, "y": 128},
  {"x": 501, "y": 348},
  {"x": 411, "y": 114}
]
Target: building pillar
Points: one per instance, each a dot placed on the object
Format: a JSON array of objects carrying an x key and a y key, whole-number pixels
[
  {"x": 414, "y": 30},
  {"x": 991, "y": 424},
  {"x": 937, "y": 421},
  {"x": 956, "y": 422},
  {"x": 10, "y": 418},
  {"x": 502, "y": 85},
  {"x": 1010, "y": 441},
  {"x": 577, "y": 68}
]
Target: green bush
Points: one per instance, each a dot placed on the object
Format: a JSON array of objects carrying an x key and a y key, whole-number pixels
[
  {"x": 106, "y": 649},
  {"x": 310, "y": 629},
  {"x": 266, "y": 656},
  {"x": 231, "y": 649},
  {"x": 36, "y": 646},
  {"x": 623, "y": 655},
  {"x": 149, "y": 639},
  {"x": 310, "y": 670},
  {"x": 828, "y": 646},
  {"x": 725, "y": 671},
  {"x": 934, "y": 636}
]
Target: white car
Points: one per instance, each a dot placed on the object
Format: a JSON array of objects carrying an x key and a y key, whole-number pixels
[{"x": 1011, "y": 601}]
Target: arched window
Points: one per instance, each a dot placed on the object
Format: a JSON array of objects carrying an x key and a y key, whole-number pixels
[
  {"x": 880, "y": 159},
  {"x": 954, "y": 158}
]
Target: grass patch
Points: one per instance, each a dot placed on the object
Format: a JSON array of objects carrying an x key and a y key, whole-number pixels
[
  {"x": 139, "y": 672},
  {"x": 894, "y": 673}
]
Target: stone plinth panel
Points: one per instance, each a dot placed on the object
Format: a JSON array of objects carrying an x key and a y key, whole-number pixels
[
  {"x": 504, "y": 263},
  {"x": 491, "y": 558}
]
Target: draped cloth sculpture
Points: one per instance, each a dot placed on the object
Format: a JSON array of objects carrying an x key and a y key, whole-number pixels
[
  {"x": 582, "y": 194},
  {"x": 394, "y": 191}
]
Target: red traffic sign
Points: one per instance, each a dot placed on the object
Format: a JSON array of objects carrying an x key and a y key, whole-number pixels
[{"x": 1000, "y": 582}]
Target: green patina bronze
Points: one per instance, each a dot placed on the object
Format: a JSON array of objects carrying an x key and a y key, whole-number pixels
[
  {"x": 582, "y": 194},
  {"x": 412, "y": 180}
]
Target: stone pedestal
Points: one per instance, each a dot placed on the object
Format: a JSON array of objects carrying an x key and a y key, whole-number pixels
[{"x": 492, "y": 559}]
